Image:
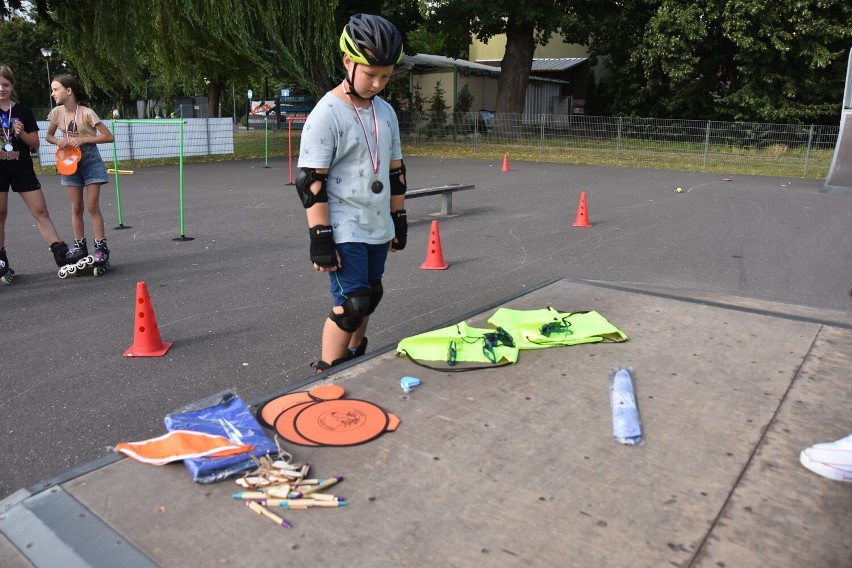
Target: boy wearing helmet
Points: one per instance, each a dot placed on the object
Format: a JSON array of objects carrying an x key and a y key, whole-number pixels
[{"x": 352, "y": 184}]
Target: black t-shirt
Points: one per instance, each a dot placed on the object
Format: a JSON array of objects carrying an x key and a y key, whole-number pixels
[{"x": 18, "y": 160}]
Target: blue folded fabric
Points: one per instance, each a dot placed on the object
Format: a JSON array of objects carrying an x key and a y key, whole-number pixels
[{"x": 223, "y": 414}]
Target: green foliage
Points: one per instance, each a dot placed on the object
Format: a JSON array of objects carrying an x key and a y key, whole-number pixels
[
  {"x": 464, "y": 101},
  {"x": 419, "y": 102},
  {"x": 526, "y": 24},
  {"x": 21, "y": 41},
  {"x": 757, "y": 60},
  {"x": 742, "y": 60},
  {"x": 438, "y": 108},
  {"x": 128, "y": 47}
]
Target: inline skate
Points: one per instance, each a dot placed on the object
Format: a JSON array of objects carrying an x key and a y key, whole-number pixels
[
  {"x": 98, "y": 261},
  {"x": 6, "y": 273},
  {"x": 69, "y": 259}
]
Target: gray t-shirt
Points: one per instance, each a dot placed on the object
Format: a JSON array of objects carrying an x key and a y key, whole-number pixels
[{"x": 334, "y": 138}]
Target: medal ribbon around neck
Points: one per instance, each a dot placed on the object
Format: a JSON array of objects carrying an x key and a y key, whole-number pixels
[
  {"x": 373, "y": 163},
  {"x": 7, "y": 128}
]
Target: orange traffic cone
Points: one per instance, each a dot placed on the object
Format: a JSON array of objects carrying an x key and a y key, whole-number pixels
[
  {"x": 434, "y": 253},
  {"x": 146, "y": 335},
  {"x": 505, "y": 162},
  {"x": 582, "y": 219}
]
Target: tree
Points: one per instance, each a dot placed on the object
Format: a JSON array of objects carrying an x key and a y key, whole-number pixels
[
  {"x": 725, "y": 59},
  {"x": 464, "y": 100},
  {"x": 119, "y": 45},
  {"x": 20, "y": 43},
  {"x": 432, "y": 37},
  {"x": 418, "y": 104},
  {"x": 194, "y": 43},
  {"x": 525, "y": 24},
  {"x": 126, "y": 46},
  {"x": 790, "y": 59},
  {"x": 438, "y": 109},
  {"x": 11, "y": 8}
]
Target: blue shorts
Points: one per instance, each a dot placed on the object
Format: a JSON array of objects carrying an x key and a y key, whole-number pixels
[
  {"x": 361, "y": 265},
  {"x": 90, "y": 169}
]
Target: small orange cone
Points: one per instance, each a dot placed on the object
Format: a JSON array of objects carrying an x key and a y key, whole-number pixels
[
  {"x": 505, "y": 162},
  {"x": 434, "y": 253},
  {"x": 146, "y": 335},
  {"x": 582, "y": 219}
]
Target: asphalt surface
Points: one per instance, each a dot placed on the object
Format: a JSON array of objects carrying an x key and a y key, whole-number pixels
[{"x": 244, "y": 308}]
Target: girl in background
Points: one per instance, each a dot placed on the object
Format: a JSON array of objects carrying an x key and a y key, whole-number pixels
[
  {"x": 19, "y": 135},
  {"x": 81, "y": 128}
]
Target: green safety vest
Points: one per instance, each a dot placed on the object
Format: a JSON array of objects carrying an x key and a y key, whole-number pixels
[
  {"x": 467, "y": 343},
  {"x": 524, "y": 329},
  {"x": 542, "y": 328}
]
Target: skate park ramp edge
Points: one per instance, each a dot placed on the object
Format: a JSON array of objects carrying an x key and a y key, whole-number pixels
[{"x": 517, "y": 465}]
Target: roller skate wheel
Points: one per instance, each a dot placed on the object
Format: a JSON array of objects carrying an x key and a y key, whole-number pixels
[
  {"x": 99, "y": 271},
  {"x": 6, "y": 279},
  {"x": 84, "y": 262},
  {"x": 64, "y": 272}
]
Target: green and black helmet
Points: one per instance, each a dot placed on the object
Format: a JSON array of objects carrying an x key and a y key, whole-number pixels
[{"x": 371, "y": 40}]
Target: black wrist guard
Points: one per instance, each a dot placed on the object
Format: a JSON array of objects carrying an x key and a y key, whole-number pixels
[
  {"x": 399, "y": 184},
  {"x": 323, "y": 251},
  {"x": 400, "y": 228}
]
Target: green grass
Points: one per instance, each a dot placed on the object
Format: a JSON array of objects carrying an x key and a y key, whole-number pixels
[
  {"x": 768, "y": 162},
  {"x": 775, "y": 160}
]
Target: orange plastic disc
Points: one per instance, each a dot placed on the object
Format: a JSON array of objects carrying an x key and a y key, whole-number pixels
[
  {"x": 393, "y": 422},
  {"x": 343, "y": 422},
  {"x": 270, "y": 410},
  {"x": 327, "y": 392},
  {"x": 66, "y": 160},
  {"x": 285, "y": 426}
]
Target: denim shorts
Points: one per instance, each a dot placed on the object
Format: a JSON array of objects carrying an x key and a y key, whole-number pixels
[
  {"x": 361, "y": 264},
  {"x": 90, "y": 169}
]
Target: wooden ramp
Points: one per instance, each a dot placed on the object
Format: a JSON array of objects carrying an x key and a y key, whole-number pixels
[{"x": 516, "y": 466}]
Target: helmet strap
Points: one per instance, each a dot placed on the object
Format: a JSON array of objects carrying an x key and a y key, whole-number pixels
[{"x": 352, "y": 91}]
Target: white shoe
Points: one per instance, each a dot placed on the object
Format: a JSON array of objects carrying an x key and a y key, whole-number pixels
[
  {"x": 839, "y": 452},
  {"x": 830, "y": 459}
]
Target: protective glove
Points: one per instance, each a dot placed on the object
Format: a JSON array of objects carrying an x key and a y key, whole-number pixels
[
  {"x": 400, "y": 228},
  {"x": 323, "y": 251}
]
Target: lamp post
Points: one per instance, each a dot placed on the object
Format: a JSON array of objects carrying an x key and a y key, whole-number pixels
[{"x": 47, "y": 52}]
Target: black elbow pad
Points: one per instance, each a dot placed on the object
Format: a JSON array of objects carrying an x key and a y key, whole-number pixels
[
  {"x": 304, "y": 179},
  {"x": 397, "y": 180}
]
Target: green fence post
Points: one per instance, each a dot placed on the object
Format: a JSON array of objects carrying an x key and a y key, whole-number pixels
[
  {"x": 618, "y": 142},
  {"x": 808, "y": 151},
  {"x": 117, "y": 182},
  {"x": 706, "y": 144},
  {"x": 182, "y": 236}
]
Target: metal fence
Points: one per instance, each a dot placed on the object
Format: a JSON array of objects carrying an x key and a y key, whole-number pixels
[
  {"x": 698, "y": 145},
  {"x": 736, "y": 147},
  {"x": 157, "y": 140}
]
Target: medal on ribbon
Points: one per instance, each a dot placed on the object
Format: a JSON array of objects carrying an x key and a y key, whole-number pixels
[
  {"x": 8, "y": 128},
  {"x": 377, "y": 186}
]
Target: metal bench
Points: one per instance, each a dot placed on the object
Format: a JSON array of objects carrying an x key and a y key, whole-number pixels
[{"x": 445, "y": 191}]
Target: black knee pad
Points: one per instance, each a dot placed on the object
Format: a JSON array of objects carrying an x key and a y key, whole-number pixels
[
  {"x": 376, "y": 294},
  {"x": 356, "y": 306}
]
